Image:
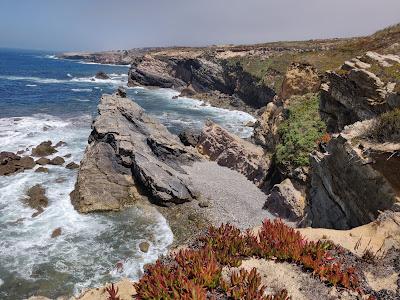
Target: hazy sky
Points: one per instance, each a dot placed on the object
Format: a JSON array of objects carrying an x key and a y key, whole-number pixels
[{"x": 122, "y": 24}]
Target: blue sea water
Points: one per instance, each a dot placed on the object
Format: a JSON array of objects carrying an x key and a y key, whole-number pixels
[{"x": 44, "y": 98}]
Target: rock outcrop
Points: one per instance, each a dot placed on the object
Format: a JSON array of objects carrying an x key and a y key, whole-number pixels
[
  {"x": 130, "y": 155},
  {"x": 36, "y": 197},
  {"x": 300, "y": 79},
  {"x": 350, "y": 185},
  {"x": 44, "y": 149},
  {"x": 265, "y": 131},
  {"x": 11, "y": 163},
  {"x": 286, "y": 202},
  {"x": 361, "y": 90},
  {"x": 231, "y": 151}
]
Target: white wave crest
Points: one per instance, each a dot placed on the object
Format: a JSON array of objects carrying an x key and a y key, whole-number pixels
[{"x": 81, "y": 90}]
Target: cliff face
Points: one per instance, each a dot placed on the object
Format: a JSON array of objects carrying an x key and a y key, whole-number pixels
[
  {"x": 205, "y": 75},
  {"x": 348, "y": 188},
  {"x": 362, "y": 89}
]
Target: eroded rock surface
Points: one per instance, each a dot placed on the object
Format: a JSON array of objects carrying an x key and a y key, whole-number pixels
[
  {"x": 360, "y": 90},
  {"x": 233, "y": 152},
  {"x": 347, "y": 189},
  {"x": 300, "y": 79},
  {"x": 131, "y": 154}
]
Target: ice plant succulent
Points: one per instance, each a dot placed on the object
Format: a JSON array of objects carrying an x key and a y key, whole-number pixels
[{"x": 196, "y": 274}]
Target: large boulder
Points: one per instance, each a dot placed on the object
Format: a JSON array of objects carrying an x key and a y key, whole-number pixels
[
  {"x": 11, "y": 163},
  {"x": 130, "y": 153},
  {"x": 362, "y": 89},
  {"x": 300, "y": 79},
  {"x": 231, "y": 151},
  {"x": 285, "y": 201},
  {"x": 189, "y": 137}
]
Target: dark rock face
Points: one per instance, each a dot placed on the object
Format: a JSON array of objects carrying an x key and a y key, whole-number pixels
[
  {"x": 121, "y": 92},
  {"x": 44, "y": 149},
  {"x": 101, "y": 75},
  {"x": 231, "y": 151},
  {"x": 346, "y": 190},
  {"x": 43, "y": 161},
  {"x": 189, "y": 137},
  {"x": 204, "y": 75},
  {"x": 11, "y": 163},
  {"x": 72, "y": 166},
  {"x": 130, "y": 154},
  {"x": 355, "y": 93}
]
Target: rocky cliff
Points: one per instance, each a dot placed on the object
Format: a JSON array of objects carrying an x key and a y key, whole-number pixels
[
  {"x": 204, "y": 73},
  {"x": 363, "y": 88}
]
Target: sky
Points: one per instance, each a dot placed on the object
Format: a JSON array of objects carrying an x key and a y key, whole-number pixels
[{"x": 69, "y": 25}]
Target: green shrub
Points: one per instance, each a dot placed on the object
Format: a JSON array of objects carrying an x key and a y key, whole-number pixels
[
  {"x": 300, "y": 132},
  {"x": 387, "y": 127}
]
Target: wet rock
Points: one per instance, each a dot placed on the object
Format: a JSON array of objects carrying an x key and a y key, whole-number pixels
[
  {"x": 231, "y": 151},
  {"x": 57, "y": 161},
  {"x": 72, "y": 166},
  {"x": 121, "y": 92},
  {"x": 36, "y": 197},
  {"x": 38, "y": 211},
  {"x": 11, "y": 163},
  {"x": 56, "y": 232},
  {"x": 250, "y": 124},
  {"x": 43, "y": 161},
  {"x": 188, "y": 92},
  {"x": 128, "y": 152},
  {"x": 189, "y": 137},
  {"x": 60, "y": 180},
  {"x": 68, "y": 155},
  {"x": 44, "y": 149},
  {"x": 144, "y": 247},
  {"x": 285, "y": 201},
  {"x": 42, "y": 170},
  {"x": 20, "y": 152},
  {"x": 60, "y": 144},
  {"x": 300, "y": 79},
  {"x": 101, "y": 75}
]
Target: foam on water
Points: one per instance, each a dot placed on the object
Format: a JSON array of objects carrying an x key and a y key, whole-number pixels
[
  {"x": 81, "y": 90},
  {"x": 90, "y": 245}
]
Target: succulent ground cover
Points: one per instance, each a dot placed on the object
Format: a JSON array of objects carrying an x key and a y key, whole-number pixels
[{"x": 196, "y": 273}]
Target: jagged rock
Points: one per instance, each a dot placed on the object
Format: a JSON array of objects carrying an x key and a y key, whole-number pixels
[
  {"x": 11, "y": 163},
  {"x": 265, "y": 131},
  {"x": 231, "y": 151},
  {"x": 101, "y": 75},
  {"x": 128, "y": 151},
  {"x": 72, "y": 166},
  {"x": 355, "y": 93},
  {"x": 36, "y": 197},
  {"x": 38, "y": 211},
  {"x": 348, "y": 187},
  {"x": 189, "y": 137},
  {"x": 285, "y": 201},
  {"x": 300, "y": 79},
  {"x": 44, "y": 149},
  {"x": 43, "y": 161},
  {"x": 57, "y": 161}
]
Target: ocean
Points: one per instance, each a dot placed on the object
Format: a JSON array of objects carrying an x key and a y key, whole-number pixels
[{"x": 44, "y": 98}]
